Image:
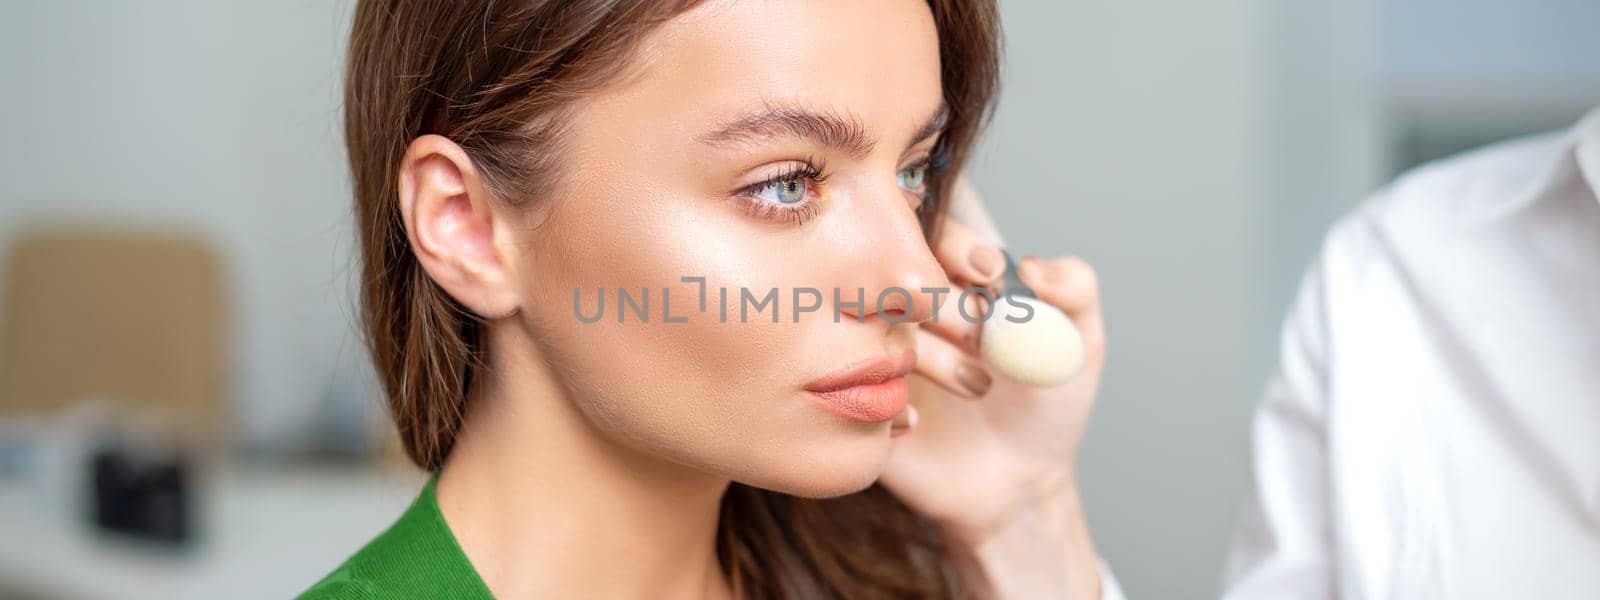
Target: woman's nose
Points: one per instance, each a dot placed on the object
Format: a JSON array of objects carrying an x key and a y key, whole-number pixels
[{"x": 905, "y": 277}]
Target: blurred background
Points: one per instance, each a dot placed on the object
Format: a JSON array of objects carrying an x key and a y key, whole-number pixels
[{"x": 186, "y": 410}]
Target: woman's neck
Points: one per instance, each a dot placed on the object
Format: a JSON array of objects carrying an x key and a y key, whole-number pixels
[{"x": 544, "y": 504}]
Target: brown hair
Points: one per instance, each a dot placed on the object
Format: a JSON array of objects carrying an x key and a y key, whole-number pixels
[{"x": 495, "y": 77}]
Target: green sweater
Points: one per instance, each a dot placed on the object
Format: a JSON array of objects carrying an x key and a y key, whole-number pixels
[{"x": 417, "y": 557}]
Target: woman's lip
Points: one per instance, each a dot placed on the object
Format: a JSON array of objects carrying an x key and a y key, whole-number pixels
[
  {"x": 868, "y": 403},
  {"x": 872, "y": 391},
  {"x": 867, "y": 372}
]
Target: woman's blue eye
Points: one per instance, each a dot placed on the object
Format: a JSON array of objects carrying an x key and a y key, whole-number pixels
[
  {"x": 911, "y": 178},
  {"x": 784, "y": 191}
]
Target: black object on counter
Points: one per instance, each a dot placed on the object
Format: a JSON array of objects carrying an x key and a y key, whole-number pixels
[{"x": 142, "y": 496}]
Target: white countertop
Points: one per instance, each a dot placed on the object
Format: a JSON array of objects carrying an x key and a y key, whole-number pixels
[{"x": 260, "y": 532}]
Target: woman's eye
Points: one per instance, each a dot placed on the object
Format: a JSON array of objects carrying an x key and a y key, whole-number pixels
[
  {"x": 911, "y": 178},
  {"x": 784, "y": 191}
]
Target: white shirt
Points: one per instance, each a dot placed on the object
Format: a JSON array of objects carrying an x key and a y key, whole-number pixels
[{"x": 1434, "y": 427}]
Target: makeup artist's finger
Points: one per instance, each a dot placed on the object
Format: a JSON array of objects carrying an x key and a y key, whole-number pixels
[
  {"x": 951, "y": 367},
  {"x": 1073, "y": 285},
  {"x": 959, "y": 318},
  {"x": 1069, "y": 283},
  {"x": 967, "y": 256},
  {"x": 904, "y": 421}
]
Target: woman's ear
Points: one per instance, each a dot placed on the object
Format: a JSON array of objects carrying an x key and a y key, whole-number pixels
[{"x": 453, "y": 228}]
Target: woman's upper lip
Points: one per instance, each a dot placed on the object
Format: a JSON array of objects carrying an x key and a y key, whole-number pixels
[{"x": 867, "y": 372}]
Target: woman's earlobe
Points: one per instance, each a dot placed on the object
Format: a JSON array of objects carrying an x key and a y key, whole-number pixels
[
  {"x": 508, "y": 314},
  {"x": 452, "y": 226}
]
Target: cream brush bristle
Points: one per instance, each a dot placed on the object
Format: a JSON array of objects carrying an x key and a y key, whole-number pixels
[{"x": 1044, "y": 350}]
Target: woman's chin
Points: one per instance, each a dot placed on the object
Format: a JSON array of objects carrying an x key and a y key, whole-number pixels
[{"x": 828, "y": 469}]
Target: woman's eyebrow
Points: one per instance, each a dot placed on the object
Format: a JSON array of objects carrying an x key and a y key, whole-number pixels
[
  {"x": 843, "y": 132},
  {"x": 933, "y": 124}
]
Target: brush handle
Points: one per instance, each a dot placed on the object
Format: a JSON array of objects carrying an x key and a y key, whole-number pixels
[{"x": 1011, "y": 283}]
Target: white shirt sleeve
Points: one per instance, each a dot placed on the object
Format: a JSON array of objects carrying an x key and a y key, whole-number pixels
[
  {"x": 1109, "y": 589},
  {"x": 1283, "y": 547}
]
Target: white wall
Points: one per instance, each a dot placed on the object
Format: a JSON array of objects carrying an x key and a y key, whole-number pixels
[
  {"x": 1459, "y": 74},
  {"x": 217, "y": 118},
  {"x": 1510, "y": 41}
]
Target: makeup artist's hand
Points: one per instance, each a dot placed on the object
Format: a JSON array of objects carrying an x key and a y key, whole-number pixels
[{"x": 993, "y": 460}]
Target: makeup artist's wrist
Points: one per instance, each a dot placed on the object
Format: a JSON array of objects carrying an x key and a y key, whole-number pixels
[{"x": 1043, "y": 550}]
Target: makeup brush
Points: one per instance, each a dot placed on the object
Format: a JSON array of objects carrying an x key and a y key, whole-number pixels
[{"x": 1043, "y": 350}]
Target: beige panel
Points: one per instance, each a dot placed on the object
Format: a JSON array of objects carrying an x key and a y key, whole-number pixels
[{"x": 133, "y": 317}]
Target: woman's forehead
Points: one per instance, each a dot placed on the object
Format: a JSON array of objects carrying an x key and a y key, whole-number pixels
[{"x": 869, "y": 64}]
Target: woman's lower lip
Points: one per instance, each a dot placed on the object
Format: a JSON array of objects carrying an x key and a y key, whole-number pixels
[{"x": 868, "y": 403}]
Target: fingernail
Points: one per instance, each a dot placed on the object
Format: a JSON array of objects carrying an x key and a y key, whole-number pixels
[
  {"x": 911, "y": 417},
  {"x": 974, "y": 379},
  {"x": 986, "y": 261},
  {"x": 1053, "y": 273},
  {"x": 1028, "y": 269}
]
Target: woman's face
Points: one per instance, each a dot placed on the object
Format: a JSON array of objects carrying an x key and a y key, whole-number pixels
[{"x": 757, "y": 145}]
